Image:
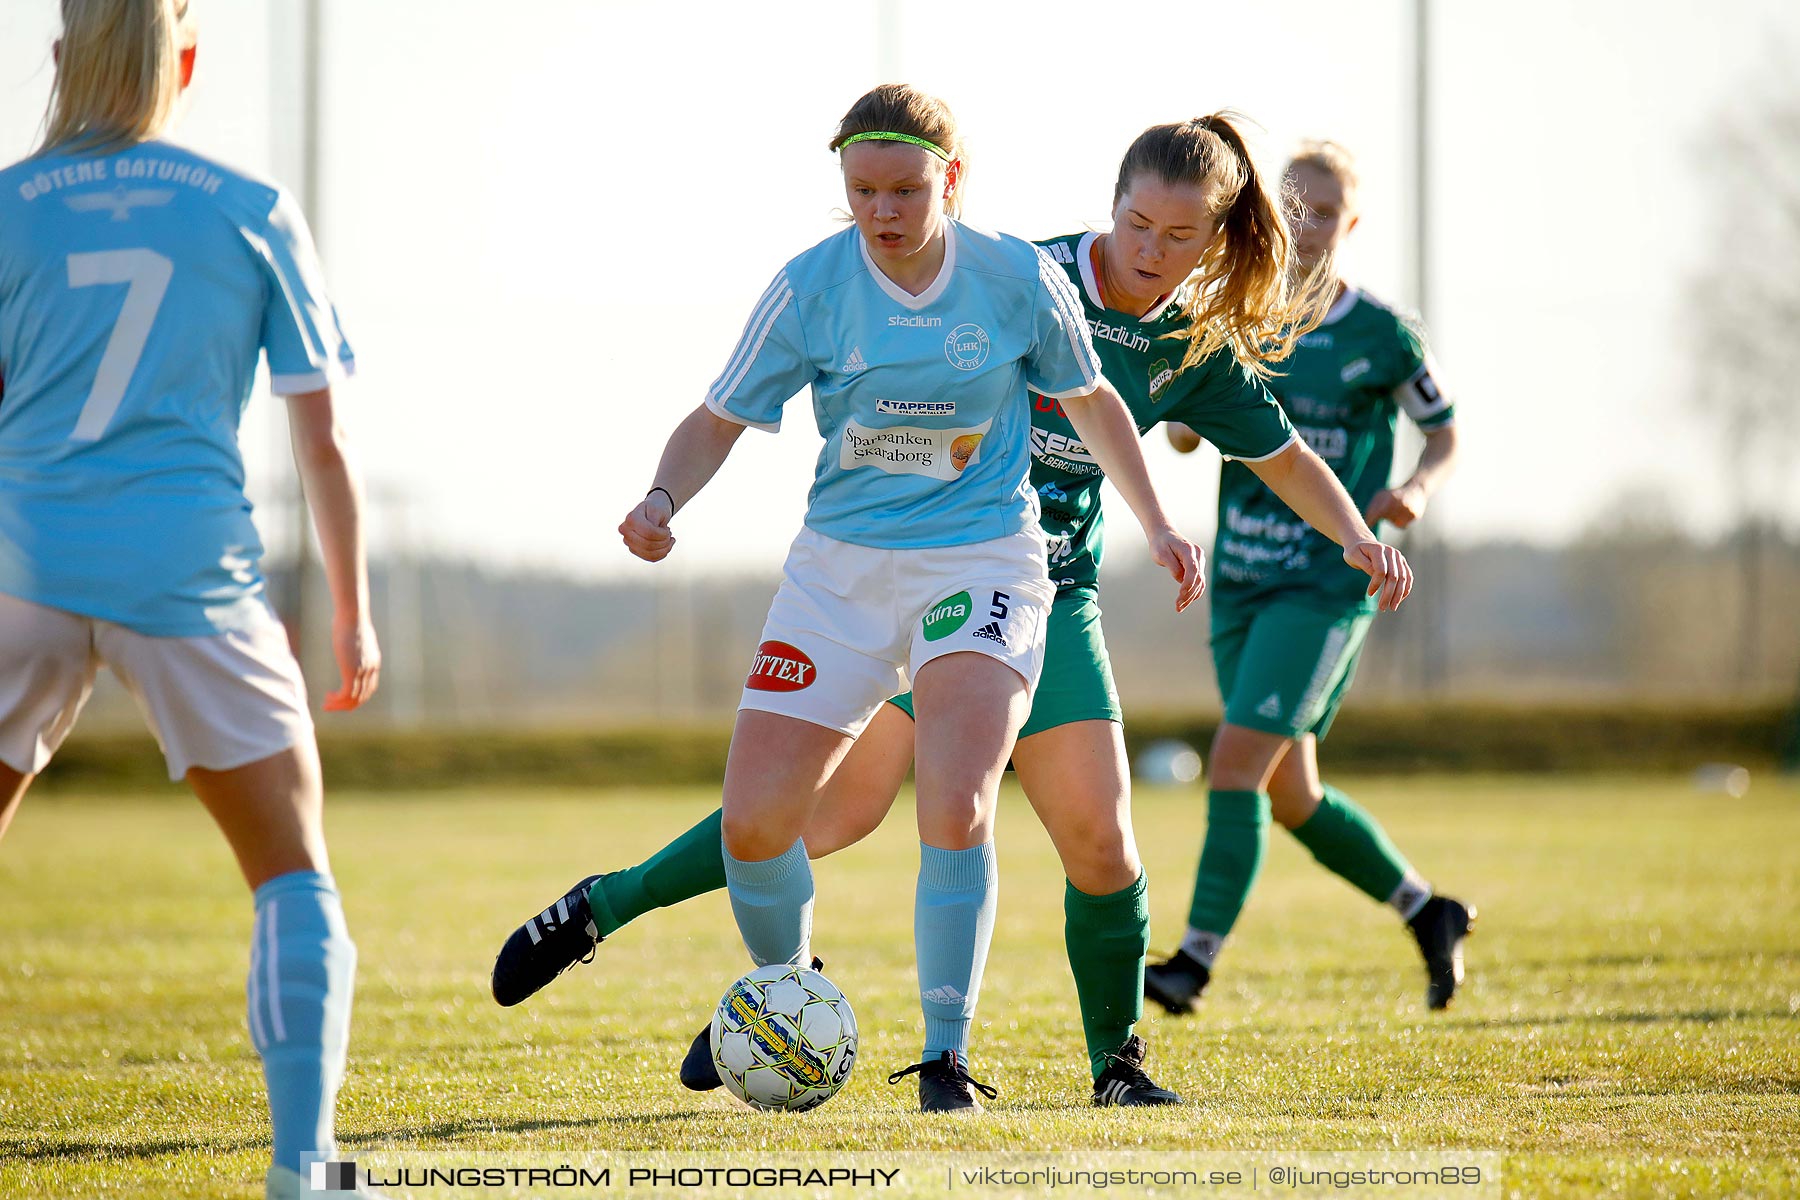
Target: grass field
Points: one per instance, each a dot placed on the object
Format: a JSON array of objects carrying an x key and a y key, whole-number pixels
[{"x": 1632, "y": 1022}]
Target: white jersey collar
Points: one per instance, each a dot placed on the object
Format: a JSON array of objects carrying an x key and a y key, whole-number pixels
[
  {"x": 1084, "y": 259},
  {"x": 899, "y": 294},
  {"x": 1340, "y": 308}
]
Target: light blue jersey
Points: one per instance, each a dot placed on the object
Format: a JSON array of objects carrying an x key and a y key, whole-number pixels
[
  {"x": 137, "y": 289},
  {"x": 922, "y": 400}
]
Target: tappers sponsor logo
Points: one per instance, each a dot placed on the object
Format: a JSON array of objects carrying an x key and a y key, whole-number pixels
[
  {"x": 966, "y": 347},
  {"x": 916, "y": 322},
  {"x": 917, "y": 408},
  {"x": 780, "y": 667}
]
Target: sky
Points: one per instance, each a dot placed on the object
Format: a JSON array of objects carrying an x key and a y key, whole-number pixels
[{"x": 545, "y": 225}]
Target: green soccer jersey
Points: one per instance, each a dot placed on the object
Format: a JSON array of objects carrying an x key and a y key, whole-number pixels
[
  {"x": 1221, "y": 400},
  {"x": 1343, "y": 389}
]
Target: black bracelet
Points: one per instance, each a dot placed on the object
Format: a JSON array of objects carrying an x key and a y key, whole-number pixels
[{"x": 664, "y": 491}]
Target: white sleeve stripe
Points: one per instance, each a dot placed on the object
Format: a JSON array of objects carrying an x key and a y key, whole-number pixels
[
  {"x": 725, "y": 414},
  {"x": 1058, "y": 285},
  {"x": 724, "y": 387},
  {"x": 311, "y": 381},
  {"x": 778, "y": 290},
  {"x": 1279, "y": 450}
]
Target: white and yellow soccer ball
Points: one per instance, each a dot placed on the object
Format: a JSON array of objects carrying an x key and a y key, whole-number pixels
[{"x": 784, "y": 1037}]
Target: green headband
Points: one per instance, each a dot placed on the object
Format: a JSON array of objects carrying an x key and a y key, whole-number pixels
[{"x": 908, "y": 138}]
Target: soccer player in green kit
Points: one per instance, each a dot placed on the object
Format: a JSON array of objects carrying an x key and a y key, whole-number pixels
[
  {"x": 1288, "y": 621},
  {"x": 1189, "y": 301}
]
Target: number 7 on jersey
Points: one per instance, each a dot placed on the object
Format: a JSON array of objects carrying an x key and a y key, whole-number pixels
[{"x": 148, "y": 274}]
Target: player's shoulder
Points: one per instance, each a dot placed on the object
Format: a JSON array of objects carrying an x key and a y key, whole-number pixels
[
  {"x": 1383, "y": 318},
  {"x": 824, "y": 265},
  {"x": 1062, "y": 248},
  {"x": 1000, "y": 254}
]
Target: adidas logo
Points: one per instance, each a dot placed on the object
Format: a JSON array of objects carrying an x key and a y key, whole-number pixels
[
  {"x": 943, "y": 994},
  {"x": 1060, "y": 252},
  {"x": 991, "y": 631},
  {"x": 855, "y": 362},
  {"x": 1270, "y": 708}
]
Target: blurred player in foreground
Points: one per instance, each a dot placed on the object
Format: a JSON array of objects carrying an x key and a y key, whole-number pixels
[{"x": 139, "y": 283}]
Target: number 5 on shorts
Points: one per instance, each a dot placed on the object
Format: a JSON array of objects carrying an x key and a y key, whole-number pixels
[
  {"x": 999, "y": 610},
  {"x": 148, "y": 273}
]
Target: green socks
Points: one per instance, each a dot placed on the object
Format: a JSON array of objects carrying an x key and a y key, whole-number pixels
[
  {"x": 1348, "y": 841},
  {"x": 691, "y": 865},
  {"x": 1107, "y": 937},
  {"x": 1237, "y": 833}
]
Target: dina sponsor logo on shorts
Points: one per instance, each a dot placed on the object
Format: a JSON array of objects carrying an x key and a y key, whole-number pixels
[
  {"x": 966, "y": 347},
  {"x": 947, "y": 616},
  {"x": 780, "y": 667}
]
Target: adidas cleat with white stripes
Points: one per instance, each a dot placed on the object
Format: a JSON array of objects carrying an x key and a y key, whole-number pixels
[
  {"x": 1124, "y": 1085},
  {"x": 547, "y": 945}
]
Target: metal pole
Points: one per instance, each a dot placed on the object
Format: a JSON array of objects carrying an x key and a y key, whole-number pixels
[
  {"x": 1434, "y": 656},
  {"x": 311, "y": 204}
]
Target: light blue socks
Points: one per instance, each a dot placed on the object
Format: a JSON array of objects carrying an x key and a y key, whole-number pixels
[
  {"x": 302, "y": 968},
  {"x": 953, "y": 925},
  {"x": 773, "y": 902}
]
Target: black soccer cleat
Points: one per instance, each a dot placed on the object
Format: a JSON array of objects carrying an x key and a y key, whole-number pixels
[
  {"x": 1124, "y": 1085},
  {"x": 946, "y": 1086},
  {"x": 547, "y": 945},
  {"x": 1440, "y": 928},
  {"x": 1177, "y": 982},
  {"x": 699, "y": 1073}
]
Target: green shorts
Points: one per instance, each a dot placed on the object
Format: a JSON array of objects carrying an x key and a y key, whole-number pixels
[
  {"x": 1284, "y": 667},
  {"x": 1077, "y": 681}
]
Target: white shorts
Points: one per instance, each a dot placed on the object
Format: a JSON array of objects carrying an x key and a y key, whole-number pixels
[
  {"x": 213, "y": 702},
  {"x": 851, "y": 625}
]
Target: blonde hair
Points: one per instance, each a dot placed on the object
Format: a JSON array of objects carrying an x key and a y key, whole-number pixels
[
  {"x": 118, "y": 73},
  {"x": 1243, "y": 296},
  {"x": 898, "y": 108},
  {"x": 1332, "y": 159}
]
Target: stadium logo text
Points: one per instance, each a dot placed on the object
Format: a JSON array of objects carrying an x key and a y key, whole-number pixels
[
  {"x": 1119, "y": 335},
  {"x": 917, "y": 322}
]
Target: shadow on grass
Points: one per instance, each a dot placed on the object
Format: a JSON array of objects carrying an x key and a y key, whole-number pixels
[
  {"x": 31, "y": 1150},
  {"x": 1704, "y": 1016}
]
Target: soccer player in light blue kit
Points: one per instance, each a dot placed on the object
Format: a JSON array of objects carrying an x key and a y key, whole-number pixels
[
  {"x": 921, "y": 559},
  {"x": 139, "y": 283}
]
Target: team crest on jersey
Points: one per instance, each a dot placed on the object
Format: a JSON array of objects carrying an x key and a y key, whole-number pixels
[
  {"x": 1160, "y": 375},
  {"x": 120, "y": 201},
  {"x": 967, "y": 346}
]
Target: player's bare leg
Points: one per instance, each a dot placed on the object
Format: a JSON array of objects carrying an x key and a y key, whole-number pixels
[
  {"x": 1077, "y": 779},
  {"x": 302, "y": 961}
]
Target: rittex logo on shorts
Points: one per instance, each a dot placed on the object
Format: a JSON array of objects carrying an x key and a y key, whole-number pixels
[
  {"x": 780, "y": 667},
  {"x": 334, "y": 1176},
  {"x": 947, "y": 616}
]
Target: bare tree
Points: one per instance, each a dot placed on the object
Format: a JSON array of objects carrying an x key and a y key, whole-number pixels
[{"x": 1746, "y": 323}]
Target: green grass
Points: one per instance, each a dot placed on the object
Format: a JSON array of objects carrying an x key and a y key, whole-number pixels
[{"x": 1632, "y": 1022}]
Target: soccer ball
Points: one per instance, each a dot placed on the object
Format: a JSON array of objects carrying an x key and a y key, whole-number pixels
[{"x": 784, "y": 1037}]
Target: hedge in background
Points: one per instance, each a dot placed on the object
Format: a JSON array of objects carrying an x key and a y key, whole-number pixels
[{"x": 1447, "y": 737}]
